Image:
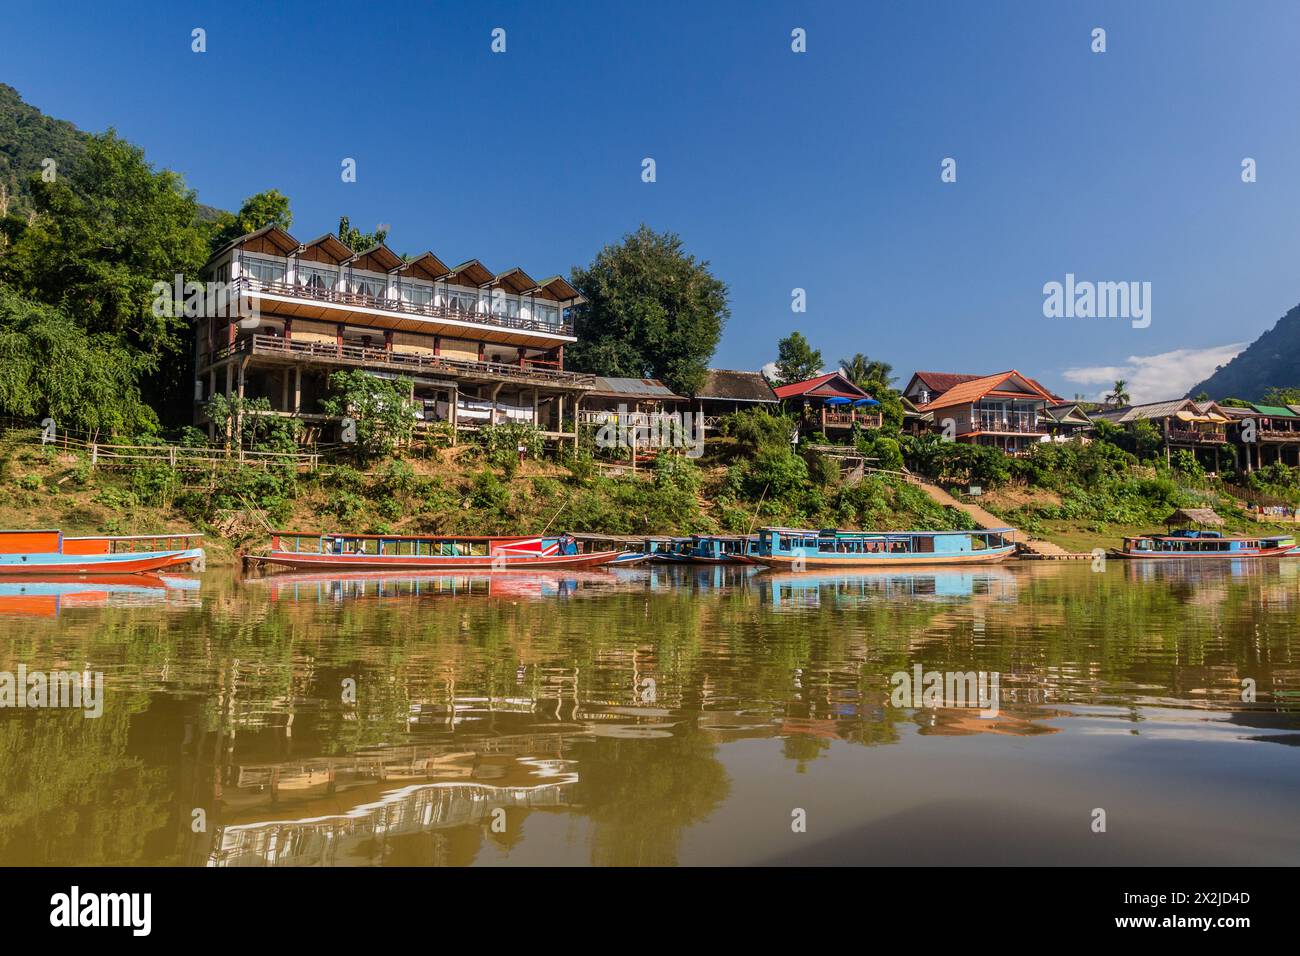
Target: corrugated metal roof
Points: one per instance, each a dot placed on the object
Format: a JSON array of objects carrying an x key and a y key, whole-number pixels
[
  {"x": 641, "y": 387},
  {"x": 1135, "y": 413},
  {"x": 1274, "y": 411}
]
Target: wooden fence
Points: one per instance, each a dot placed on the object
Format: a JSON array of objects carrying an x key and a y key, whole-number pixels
[{"x": 104, "y": 454}]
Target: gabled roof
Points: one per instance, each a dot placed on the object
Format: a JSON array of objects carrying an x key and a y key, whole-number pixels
[
  {"x": 974, "y": 389},
  {"x": 832, "y": 384},
  {"x": 273, "y": 234},
  {"x": 1068, "y": 413},
  {"x": 1181, "y": 408},
  {"x": 378, "y": 258},
  {"x": 473, "y": 272},
  {"x": 726, "y": 385},
  {"x": 936, "y": 383},
  {"x": 330, "y": 246},
  {"x": 559, "y": 288},
  {"x": 427, "y": 265},
  {"x": 516, "y": 280},
  {"x": 939, "y": 384}
]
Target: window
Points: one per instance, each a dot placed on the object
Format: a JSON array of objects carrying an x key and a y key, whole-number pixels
[
  {"x": 466, "y": 300},
  {"x": 417, "y": 295},
  {"x": 370, "y": 285},
  {"x": 263, "y": 270},
  {"x": 546, "y": 314},
  {"x": 316, "y": 278}
]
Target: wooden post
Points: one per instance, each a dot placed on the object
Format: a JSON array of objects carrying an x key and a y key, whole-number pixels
[{"x": 297, "y": 390}]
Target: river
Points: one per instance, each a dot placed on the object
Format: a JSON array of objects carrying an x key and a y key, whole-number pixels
[{"x": 661, "y": 716}]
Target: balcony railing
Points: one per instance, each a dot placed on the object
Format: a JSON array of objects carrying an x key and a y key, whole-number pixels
[
  {"x": 827, "y": 418},
  {"x": 352, "y": 354},
  {"x": 1015, "y": 425},
  {"x": 1188, "y": 436},
  {"x": 318, "y": 293},
  {"x": 1277, "y": 434}
]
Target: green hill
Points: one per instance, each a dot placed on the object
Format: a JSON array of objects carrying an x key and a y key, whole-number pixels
[
  {"x": 1271, "y": 361},
  {"x": 27, "y": 138}
]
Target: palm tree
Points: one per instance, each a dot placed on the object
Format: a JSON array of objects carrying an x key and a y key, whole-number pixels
[
  {"x": 863, "y": 371},
  {"x": 1119, "y": 396}
]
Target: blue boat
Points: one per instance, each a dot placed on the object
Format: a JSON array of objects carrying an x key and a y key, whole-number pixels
[{"x": 793, "y": 549}]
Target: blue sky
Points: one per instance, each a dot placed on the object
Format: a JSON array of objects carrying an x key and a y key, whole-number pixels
[{"x": 818, "y": 170}]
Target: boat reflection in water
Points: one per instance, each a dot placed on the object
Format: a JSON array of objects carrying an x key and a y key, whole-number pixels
[
  {"x": 365, "y": 808},
  {"x": 46, "y": 596},
  {"x": 342, "y": 586},
  {"x": 804, "y": 590}
]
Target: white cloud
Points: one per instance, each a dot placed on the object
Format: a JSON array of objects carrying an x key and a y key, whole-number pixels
[{"x": 1155, "y": 378}]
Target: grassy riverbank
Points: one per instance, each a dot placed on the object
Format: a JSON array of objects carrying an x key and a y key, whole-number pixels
[
  {"x": 452, "y": 491},
  {"x": 1078, "y": 499}
]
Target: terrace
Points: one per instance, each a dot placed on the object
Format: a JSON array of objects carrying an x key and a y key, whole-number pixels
[
  {"x": 353, "y": 355},
  {"x": 315, "y": 299}
]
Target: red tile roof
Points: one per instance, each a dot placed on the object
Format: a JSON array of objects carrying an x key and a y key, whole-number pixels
[
  {"x": 972, "y": 390},
  {"x": 795, "y": 389}
]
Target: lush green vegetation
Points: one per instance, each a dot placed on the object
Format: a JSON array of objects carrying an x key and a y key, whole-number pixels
[{"x": 653, "y": 311}]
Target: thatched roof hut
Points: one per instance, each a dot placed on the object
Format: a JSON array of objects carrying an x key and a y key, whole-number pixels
[{"x": 1204, "y": 517}]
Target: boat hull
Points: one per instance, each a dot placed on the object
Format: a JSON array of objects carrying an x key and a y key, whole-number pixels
[
  {"x": 124, "y": 563},
  {"x": 381, "y": 562},
  {"x": 1194, "y": 556},
  {"x": 819, "y": 563}
]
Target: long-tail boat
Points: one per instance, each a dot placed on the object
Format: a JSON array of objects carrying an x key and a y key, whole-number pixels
[
  {"x": 1193, "y": 545},
  {"x": 50, "y": 552},
  {"x": 391, "y": 552},
  {"x": 722, "y": 549},
  {"x": 791, "y": 549}
]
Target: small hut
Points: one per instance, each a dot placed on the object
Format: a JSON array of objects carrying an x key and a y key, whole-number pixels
[{"x": 1200, "y": 517}]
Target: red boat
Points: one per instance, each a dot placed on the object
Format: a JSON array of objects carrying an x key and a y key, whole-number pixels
[
  {"x": 387, "y": 552},
  {"x": 49, "y": 552}
]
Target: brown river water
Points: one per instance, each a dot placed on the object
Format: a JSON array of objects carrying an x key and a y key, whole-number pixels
[{"x": 657, "y": 716}]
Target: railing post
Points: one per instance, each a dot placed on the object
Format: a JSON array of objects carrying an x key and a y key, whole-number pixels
[{"x": 94, "y": 453}]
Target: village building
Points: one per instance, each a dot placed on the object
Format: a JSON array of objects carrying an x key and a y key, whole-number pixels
[
  {"x": 1005, "y": 410},
  {"x": 829, "y": 403},
  {"x": 479, "y": 347},
  {"x": 725, "y": 392},
  {"x": 1182, "y": 424},
  {"x": 1264, "y": 434},
  {"x": 1066, "y": 421}
]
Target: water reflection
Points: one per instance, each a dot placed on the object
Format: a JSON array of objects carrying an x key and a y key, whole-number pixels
[
  {"x": 40, "y": 596},
  {"x": 654, "y": 715}
]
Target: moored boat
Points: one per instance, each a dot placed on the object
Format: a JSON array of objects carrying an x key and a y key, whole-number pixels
[
  {"x": 1192, "y": 545},
  {"x": 722, "y": 549},
  {"x": 791, "y": 549},
  {"x": 49, "y": 552},
  {"x": 303, "y": 551}
]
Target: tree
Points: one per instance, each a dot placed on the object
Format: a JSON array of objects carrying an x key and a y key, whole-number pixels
[
  {"x": 652, "y": 311},
  {"x": 49, "y": 365},
  {"x": 359, "y": 241},
  {"x": 870, "y": 375},
  {"x": 381, "y": 407},
  {"x": 796, "y": 360},
  {"x": 104, "y": 231},
  {"x": 260, "y": 209},
  {"x": 1119, "y": 395}
]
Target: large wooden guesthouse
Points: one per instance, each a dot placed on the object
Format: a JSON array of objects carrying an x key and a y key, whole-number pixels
[{"x": 480, "y": 347}]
